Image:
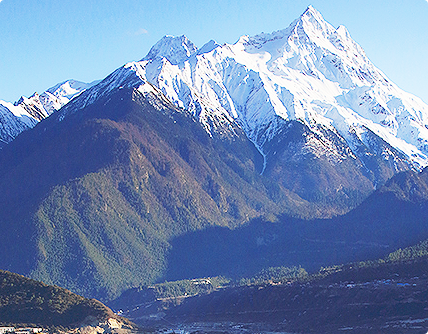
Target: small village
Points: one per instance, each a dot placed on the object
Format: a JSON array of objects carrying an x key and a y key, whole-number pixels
[{"x": 26, "y": 330}]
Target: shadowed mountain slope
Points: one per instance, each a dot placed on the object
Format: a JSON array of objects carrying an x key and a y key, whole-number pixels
[
  {"x": 90, "y": 201},
  {"x": 392, "y": 217}
]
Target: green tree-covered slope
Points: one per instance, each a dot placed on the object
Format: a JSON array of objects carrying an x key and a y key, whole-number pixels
[
  {"x": 24, "y": 301},
  {"x": 90, "y": 202}
]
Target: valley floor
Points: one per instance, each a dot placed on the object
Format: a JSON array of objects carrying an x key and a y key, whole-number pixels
[
  {"x": 415, "y": 326},
  {"x": 397, "y": 305}
]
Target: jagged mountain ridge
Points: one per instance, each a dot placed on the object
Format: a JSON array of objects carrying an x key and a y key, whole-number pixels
[
  {"x": 309, "y": 72},
  {"x": 27, "y": 112}
]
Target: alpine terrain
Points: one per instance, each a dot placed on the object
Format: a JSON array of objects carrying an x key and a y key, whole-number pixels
[
  {"x": 275, "y": 136},
  {"x": 27, "y": 112},
  {"x": 307, "y": 97}
]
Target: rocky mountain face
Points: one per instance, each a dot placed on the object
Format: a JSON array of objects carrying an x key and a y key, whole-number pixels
[
  {"x": 27, "y": 112},
  {"x": 108, "y": 192}
]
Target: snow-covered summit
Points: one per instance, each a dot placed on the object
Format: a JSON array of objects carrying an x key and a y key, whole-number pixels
[
  {"x": 175, "y": 49},
  {"x": 69, "y": 89},
  {"x": 310, "y": 72},
  {"x": 27, "y": 112},
  {"x": 57, "y": 96}
]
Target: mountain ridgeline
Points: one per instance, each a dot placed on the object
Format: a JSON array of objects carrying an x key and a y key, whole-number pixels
[
  {"x": 27, "y": 112},
  {"x": 216, "y": 161}
]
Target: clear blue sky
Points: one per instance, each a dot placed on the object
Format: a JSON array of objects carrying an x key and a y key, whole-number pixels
[{"x": 44, "y": 42}]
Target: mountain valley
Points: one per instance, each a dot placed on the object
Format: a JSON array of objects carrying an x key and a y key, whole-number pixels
[{"x": 387, "y": 295}]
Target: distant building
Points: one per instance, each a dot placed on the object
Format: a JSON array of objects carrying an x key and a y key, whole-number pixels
[
  {"x": 13, "y": 330},
  {"x": 28, "y": 330},
  {"x": 6, "y": 329}
]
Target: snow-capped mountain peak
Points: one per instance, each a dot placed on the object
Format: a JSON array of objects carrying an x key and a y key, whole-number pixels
[
  {"x": 69, "y": 88},
  {"x": 33, "y": 106},
  {"x": 174, "y": 49},
  {"x": 307, "y": 96},
  {"x": 57, "y": 96},
  {"x": 311, "y": 72},
  {"x": 312, "y": 20},
  {"x": 27, "y": 112}
]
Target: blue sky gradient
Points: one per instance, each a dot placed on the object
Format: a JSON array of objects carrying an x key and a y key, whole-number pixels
[{"x": 44, "y": 42}]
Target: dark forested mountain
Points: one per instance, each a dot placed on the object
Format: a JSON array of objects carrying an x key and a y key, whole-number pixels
[
  {"x": 130, "y": 190},
  {"x": 25, "y": 301},
  {"x": 90, "y": 201}
]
